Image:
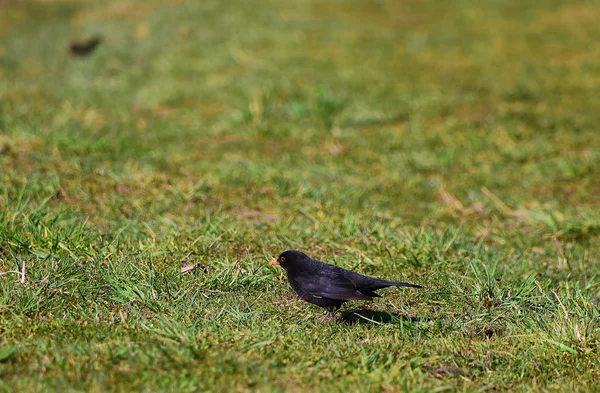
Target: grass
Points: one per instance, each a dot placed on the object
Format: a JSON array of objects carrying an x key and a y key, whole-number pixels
[{"x": 451, "y": 144}]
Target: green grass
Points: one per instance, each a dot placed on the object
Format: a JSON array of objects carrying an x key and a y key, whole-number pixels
[{"x": 451, "y": 144}]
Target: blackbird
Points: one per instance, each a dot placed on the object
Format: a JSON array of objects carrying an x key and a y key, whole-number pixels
[
  {"x": 84, "y": 48},
  {"x": 329, "y": 286}
]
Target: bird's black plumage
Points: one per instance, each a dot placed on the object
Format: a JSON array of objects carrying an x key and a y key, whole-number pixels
[
  {"x": 84, "y": 48},
  {"x": 329, "y": 286}
]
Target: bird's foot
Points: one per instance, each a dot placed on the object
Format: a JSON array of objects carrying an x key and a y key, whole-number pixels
[{"x": 327, "y": 318}]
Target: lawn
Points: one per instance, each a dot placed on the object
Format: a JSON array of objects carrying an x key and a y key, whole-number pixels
[{"x": 145, "y": 187}]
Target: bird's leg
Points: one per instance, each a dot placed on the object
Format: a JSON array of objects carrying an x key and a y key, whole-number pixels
[{"x": 329, "y": 315}]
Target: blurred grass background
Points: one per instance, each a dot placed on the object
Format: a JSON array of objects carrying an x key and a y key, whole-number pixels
[{"x": 454, "y": 144}]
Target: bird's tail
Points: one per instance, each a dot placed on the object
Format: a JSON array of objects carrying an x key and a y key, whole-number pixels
[{"x": 403, "y": 284}]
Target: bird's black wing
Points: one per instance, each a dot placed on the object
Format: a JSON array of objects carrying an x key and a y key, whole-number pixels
[{"x": 333, "y": 286}]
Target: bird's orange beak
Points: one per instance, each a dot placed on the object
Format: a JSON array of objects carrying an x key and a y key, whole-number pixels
[{"x": 274, "y": 262}]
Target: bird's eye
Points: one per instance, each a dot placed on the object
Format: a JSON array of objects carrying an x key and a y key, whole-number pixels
[{"x": 282, "y": 259}]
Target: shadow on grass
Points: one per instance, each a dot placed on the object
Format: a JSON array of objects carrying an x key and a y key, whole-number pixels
[{"x": 366, "y": 316}]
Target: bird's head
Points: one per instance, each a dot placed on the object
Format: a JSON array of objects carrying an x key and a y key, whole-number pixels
[{"x": 289, "y": 258}]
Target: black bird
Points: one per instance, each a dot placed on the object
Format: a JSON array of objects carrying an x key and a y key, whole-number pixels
[
  {"x": 84, "y": 48},
  {"x": 329, "y": 286}
]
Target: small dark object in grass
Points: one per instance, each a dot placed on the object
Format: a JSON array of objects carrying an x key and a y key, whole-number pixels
[
  {"x": 329, "y": 286},
  {"x": 84, "y": 48}
]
